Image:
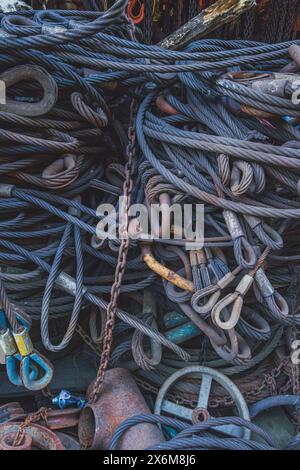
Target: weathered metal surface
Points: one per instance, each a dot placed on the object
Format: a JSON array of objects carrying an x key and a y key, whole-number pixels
[
  {"x": 164, "y": 272},
  {"x": 7, "y": 442},
  {"x": 42, "y": 438},
  {"x": 9, "y": 6},
  {"x": 120, "y": 399},
  {"x": 56, "y": 419},
  {"x": 63, "y": 419},
  {"x": 69, "y": 442},
  {"x": 10, "y": 411},
  {"x": 221, "y": 12},
  {"x": 200, "y": 413}
]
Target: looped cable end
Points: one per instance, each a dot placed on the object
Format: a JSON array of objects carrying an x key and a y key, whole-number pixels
[
  {"x": 36, "y": 359},
  {"x": 236, "y": 299},
  {"x": 265, "y": 233}
]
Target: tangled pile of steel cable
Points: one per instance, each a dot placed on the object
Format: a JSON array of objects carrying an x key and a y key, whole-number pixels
[{"x": 217, "y": 124}]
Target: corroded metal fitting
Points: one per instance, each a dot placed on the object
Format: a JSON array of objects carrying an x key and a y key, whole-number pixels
[
  {"x": 23, "y": 342},
  {"x": 53, "y": 28},
  {"x": 7, "y": 343}
]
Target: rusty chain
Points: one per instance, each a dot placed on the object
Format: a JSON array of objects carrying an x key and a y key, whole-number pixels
[
  {"x": 41, "y": 414},
  {"x": 122, "y": 257},
  {"x": 88, "y": 340},
  {"x": 269, "y": 381}
]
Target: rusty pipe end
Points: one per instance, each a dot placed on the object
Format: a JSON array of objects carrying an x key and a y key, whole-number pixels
[
  {"x": 7, "y": 442},
  {"x": 88, "y": 428}
]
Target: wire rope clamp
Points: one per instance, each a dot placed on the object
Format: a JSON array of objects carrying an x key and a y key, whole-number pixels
[
  {"x": 7, "y": 343},
  {"x": 233, "y": 224},
  {"x": 23, "y": 342},
  {"x": 263, "y": 283},
  {"x": 6, "y": 190}
]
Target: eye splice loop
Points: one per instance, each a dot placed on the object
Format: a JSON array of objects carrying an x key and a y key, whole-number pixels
[
  {"x": 243, "y": 251},
  {"x": 235, "y": 298},
  {"x": 32, "y": 359},
  {"x": 275, "y": 302},
  {"x": 212, "y": 292},
  {"x": 264, "y": 232}
]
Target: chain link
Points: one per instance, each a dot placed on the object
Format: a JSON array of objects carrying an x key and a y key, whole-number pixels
[
  {"x": 268, "y": 382},
  {"x": 88, "y": 340},
  {"x": 122, "y": 257},
  {"x": 39, "y": 415}
]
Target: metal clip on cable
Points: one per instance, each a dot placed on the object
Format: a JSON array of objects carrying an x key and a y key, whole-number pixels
[
  {"x": 9, "y": 348},
  {"x": 30, "y": 358},
  {"x": 266, "y": 234},
  {"x": 276, "y": 303},
  {"x": 243, "y": 251},
  {"x": 237, "y": 299}
]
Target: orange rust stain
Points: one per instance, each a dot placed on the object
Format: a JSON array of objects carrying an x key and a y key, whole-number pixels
[{"x": 166, "y": 273}]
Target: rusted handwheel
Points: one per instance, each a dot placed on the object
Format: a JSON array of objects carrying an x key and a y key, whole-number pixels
[{"x": 201, "y": 413}]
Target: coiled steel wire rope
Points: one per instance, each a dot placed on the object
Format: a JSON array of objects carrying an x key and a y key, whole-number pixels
[{"x": 91, "y": 62}]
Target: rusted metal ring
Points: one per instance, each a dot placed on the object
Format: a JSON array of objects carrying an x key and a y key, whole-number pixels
[
  {"x": 199, "y": 415},
  {"x": 7, "y": 440},
  {"x": 42, "y": 438}
]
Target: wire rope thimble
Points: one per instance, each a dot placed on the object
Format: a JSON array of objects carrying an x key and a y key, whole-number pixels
[
  {"x": 235, "y": 300},
  {"x": 31, "y": 359}
]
